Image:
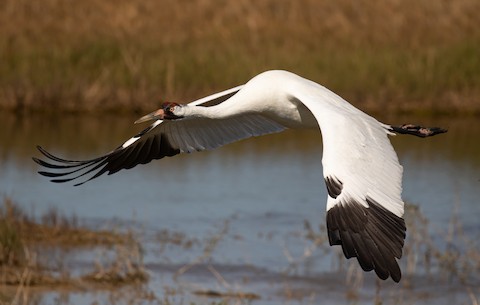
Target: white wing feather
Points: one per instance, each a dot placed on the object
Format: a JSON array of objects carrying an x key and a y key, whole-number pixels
[
  {"x": 357, "y": 151},
  {"x": 363, "y": 177}
]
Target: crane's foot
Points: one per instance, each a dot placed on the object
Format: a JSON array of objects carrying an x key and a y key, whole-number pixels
[{"x": 417, "y": 130}]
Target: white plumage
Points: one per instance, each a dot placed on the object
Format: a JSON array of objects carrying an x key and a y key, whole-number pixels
[{"x": 361, "y": 169}]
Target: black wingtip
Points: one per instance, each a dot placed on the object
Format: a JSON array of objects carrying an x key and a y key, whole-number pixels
[
  {"x": 396, "y": 277},
  {"x": 36, "y": 160},
  {"x": 374, "y": 235},
  {"x": 42, "y": 150},
  {"x": 70, "y": 169},
  {"x": 49, "y": 174}
]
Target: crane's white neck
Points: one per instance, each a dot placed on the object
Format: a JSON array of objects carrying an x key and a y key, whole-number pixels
[
  {"x": 200, "y": 112},
  {"x": 236, "y": 105}
]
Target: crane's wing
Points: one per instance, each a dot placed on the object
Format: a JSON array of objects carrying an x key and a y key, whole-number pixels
[
  {"x": 162, "y": 139},
  {"x": 363, "y": 179}
]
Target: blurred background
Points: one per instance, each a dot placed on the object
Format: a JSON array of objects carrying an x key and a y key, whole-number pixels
[
  {"x": 420, "y": 56},
  {"x": 244, "y": 224}
]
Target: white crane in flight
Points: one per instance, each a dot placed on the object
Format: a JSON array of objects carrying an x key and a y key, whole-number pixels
[{"x": 361, "y": 169}]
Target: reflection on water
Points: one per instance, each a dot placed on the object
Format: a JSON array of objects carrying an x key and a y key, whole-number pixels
[{"x": 265, "y": 188}]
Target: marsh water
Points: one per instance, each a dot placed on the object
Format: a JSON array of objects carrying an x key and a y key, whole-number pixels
[{"x": 256, "y": 196}]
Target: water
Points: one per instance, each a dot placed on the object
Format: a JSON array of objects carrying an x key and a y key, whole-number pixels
[{"x": 260, "y": 192}]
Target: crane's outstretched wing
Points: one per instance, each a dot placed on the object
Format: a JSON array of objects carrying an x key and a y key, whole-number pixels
[
  {"x": 162, "y": 139},
  {"x": 363, "y": 179}
]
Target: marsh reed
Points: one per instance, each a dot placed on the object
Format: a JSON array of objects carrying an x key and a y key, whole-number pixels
[
  {"x": 448, "y": 258},
  {"x": 58, "y": 55}
]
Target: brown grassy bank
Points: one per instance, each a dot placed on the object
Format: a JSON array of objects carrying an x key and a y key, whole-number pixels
[
  {"x": 98, "y": 55},
  {"x": 34, "y": 255}
]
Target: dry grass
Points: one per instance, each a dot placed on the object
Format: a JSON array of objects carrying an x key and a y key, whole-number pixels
[
  {"x": 27, "y": 248},
  {"x": 397, "y": 55},
  {"x": 431, "y": 256},
  {"x": 447, "y": 256},
  {"x": 119, "y": 264},
  {"x": 126, "y": 267},
  {"x": 52, "y": 229}
]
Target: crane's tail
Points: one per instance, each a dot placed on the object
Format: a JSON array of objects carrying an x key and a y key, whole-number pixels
[{"x": 417, "y": 130}]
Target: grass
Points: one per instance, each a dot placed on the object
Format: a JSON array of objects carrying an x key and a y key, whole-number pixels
[
  {"x": 26, "y": 244},
  {"x": 27, "y": 254},
  {"x": 53, "y": 228},
  {"x": 450, "y": 256},
  {"x": 126, "y": 55}
]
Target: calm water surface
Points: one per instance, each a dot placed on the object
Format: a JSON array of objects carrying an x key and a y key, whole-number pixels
[{"x": 259, "y": 191}]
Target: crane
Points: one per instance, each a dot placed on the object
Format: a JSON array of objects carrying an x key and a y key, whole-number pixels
[{"x": 360, "y": 167}]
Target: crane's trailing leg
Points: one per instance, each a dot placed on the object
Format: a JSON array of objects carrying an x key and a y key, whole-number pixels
[{"x": 417, "y": 130}]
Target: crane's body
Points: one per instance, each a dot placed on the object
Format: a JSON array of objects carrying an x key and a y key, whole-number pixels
[{"x": 361, "y": 169}]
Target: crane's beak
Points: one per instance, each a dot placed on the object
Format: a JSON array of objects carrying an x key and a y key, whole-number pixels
[{"x": 156, "y": 115}]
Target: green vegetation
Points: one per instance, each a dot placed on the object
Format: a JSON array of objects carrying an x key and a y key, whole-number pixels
[{"x": 126, "y": 55}]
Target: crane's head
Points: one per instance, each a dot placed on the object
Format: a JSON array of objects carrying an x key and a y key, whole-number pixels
[{"x": 167, "y": 112}]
